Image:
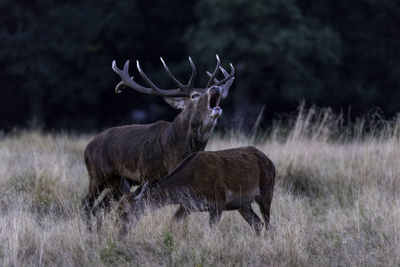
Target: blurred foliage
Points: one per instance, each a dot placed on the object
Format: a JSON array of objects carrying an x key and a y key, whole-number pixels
[
  {"x": 281, "y": 56},
  {"x": 55, "y": 56}
]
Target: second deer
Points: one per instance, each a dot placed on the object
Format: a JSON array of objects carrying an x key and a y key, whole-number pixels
[{"x": 211, "y": 181}]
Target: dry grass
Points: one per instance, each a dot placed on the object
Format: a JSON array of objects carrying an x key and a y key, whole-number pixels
[{"x": 336, "y": 203}]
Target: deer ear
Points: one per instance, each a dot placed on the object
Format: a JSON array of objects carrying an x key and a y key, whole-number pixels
[
  {"x": 176, "y": 102},
  {"x": 225, "y": 87},
  {"x": 124, "y": 186}
]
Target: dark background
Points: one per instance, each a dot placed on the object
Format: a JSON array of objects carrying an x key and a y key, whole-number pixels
[{"x": 55, "y": 57}]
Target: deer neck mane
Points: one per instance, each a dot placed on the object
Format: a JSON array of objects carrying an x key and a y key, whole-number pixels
[{"x": 190, "y": 133}]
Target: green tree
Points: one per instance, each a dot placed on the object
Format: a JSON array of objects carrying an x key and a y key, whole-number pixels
[
  {"x": 369, "y": 32},
  {"x": 55, "y": 57},
  {"x": 280, "y": 55}
]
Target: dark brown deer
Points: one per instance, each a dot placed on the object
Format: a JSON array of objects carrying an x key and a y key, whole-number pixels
[
  {"x": 211, "y": 181},
  {"x": 137, "y": 153}
]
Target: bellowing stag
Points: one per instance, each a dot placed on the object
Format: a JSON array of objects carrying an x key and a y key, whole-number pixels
[
  {"x": 137, "y": 153},
  {"x": 211, "y": 181}
]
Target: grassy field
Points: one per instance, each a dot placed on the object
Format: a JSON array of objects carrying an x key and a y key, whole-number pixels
[{"x": 336, "y": 203}]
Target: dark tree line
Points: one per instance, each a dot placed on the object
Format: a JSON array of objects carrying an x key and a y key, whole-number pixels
[{"x": 55, "y": 56}]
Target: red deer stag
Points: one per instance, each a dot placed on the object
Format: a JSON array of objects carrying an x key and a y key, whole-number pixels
[
  {"x": 139, "y": 153},
  {"x": 211, "y": 181}
]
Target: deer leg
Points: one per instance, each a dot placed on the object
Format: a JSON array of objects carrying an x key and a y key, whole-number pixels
[
  {"x": 123, "y": 221},
  {"x": 105, "y": 204},
  {"x": 102, "y": 205},
  {"x": 265, "y": 207},
  {"x": 251, "y": 218},
  {"x": 88, "y": 202},
  {"x": 267, "y": 178},
  {"x": 119, "y": 187},
  {"x": 123, "y": 214},
  {"x": 215, "y": 212}
]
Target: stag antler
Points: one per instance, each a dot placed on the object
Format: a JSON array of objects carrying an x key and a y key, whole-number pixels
[
  {"x": 182, "y": 90},
  {"x": 214, "y": 74},
  {"x": 127, "y": 80},
  {"x": 190, "y": 84},
  {"x": 226, "y": 82}
]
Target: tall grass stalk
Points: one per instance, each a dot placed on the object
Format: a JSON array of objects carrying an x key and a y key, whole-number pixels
[{"x": 336, "y": 202}]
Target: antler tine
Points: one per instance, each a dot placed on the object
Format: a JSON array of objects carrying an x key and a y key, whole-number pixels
[
  {"x": 189, "y": 85},
  {"x": 178, "y": 83},
  {"x": 193, "y": 76},
  {"x": 118, "y": 71},
  {"x": 224, "y": 71},
  {"x": 144, "y": 76},
  {"x": 127, "y": 80},
  {"x": 227, "y": 76},
  {"x": 155, "y": 89},
  {"x": 212, "y": 77}
]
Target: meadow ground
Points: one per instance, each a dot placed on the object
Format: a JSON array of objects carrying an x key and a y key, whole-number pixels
[{"x": 336, "y": 202}]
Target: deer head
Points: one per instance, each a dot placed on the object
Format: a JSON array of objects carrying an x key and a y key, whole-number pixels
[{"x": 200, "y": 106}]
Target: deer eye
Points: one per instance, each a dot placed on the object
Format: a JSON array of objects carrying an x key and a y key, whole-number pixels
[{"x": 193, "y": 96}]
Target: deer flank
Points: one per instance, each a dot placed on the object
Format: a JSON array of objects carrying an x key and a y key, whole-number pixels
[{"x": 212, "y": 181}]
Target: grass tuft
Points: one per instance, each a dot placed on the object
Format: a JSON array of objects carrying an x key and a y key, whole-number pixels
[{"x": 336, "y": 202}]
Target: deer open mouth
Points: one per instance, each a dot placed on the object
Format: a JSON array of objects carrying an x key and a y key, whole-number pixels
[
  {"x": 214, "y": 96},
  {"x": 214, "y": 100}
]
